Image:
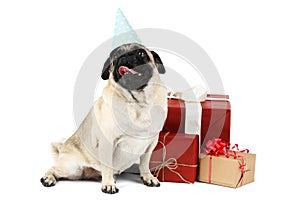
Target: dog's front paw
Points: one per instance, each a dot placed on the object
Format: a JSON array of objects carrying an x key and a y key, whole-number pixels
[
  {"x": 48, "y": 180},
  {"x": 110, "y": 189},
  {"x": 150, "y": 180}
]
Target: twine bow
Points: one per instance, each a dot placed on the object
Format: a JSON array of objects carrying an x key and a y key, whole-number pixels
[
  {"x": 171, "y": 164},
  {"x": 216, "y": 147}
]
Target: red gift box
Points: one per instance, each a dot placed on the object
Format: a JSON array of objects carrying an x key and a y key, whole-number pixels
[
  {"x": 175, "y": 158},
  {"x": 215, "y": 121}
]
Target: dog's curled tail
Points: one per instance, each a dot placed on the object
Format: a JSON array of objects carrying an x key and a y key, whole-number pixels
[{"x": 55, "y": 147}]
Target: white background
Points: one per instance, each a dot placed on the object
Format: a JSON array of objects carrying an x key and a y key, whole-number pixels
[{"x": 254, "y": 44}]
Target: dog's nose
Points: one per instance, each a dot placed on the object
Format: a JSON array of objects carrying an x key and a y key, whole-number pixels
[{"x": 132, "y": 59}]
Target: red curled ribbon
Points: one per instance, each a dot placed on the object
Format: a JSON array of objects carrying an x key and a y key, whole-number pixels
[{"x": 216, "y": 147}]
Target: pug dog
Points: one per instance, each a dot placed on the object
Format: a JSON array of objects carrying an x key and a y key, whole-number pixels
[{"x": 122, "y": 126}]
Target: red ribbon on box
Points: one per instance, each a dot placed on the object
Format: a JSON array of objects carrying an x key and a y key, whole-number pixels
[
  {"x": 171, "y": 164},
  {"x": 216, "y": 147}
]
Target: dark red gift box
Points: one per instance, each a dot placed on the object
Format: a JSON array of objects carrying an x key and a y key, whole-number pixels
[
  {"x": 175, "y": 158},
  {"x": 215, "y": 122}
]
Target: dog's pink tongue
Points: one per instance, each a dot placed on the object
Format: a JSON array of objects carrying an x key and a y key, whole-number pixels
[{"x": 123, "y": 69}]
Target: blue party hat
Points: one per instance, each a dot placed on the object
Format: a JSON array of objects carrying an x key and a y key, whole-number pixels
[{"x": 124, "y": 33}]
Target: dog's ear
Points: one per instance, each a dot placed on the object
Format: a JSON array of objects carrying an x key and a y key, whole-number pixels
[
  {"x": 160, "y": 66},
  {"x": 105, "y": 70}
]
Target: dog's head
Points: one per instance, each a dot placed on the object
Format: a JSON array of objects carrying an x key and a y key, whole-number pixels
[{"x": 132, "y": 66}]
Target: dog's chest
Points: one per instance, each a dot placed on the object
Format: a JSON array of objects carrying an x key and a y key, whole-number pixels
[
  {"x": 128, "y": 150},
  {"x": 131, "y": 144},
  {"x": 140, "y": 120},
  {"x": 138, "y": 113}
]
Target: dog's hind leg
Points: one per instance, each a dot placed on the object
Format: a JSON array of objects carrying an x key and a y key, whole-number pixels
[
  {"x": 72, "y": 162},
  {"x": 68, "y": 166}
]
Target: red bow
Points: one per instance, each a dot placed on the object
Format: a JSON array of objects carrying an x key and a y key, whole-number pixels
[{"x": 216, "y": 147}]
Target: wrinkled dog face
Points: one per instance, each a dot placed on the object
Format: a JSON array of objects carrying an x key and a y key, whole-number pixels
[{"x": 132, "y": 66}]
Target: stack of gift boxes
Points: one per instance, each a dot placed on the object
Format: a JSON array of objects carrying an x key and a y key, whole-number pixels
[{"x": 206, "y": 155}]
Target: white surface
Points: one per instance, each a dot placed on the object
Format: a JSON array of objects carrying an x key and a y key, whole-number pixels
[{"x": 254, "y": 44}]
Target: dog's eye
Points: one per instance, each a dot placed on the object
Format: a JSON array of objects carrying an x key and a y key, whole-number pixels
[{"x": 142, "y": 54}]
